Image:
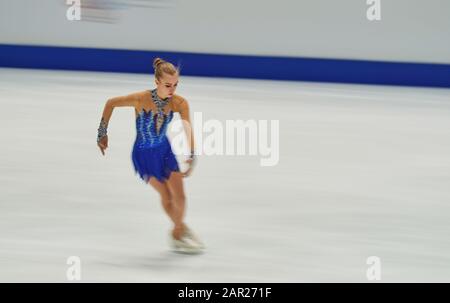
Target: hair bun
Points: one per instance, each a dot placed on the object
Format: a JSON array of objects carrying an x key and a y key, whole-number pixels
[
  {"x": 162, "y": 67},
  {"x": 156, "y": 62}
]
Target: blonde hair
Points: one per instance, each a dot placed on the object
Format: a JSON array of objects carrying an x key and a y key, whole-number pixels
[{"x": 161, "y": 66}]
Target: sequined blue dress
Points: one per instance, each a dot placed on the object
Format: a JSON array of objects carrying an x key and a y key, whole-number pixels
[{"x": 152, "y": 154}]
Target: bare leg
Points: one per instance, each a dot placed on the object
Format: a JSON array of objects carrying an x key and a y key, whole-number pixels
[
  {"x": 175, "y": 186},
  {"x": 166, "y": 199}
]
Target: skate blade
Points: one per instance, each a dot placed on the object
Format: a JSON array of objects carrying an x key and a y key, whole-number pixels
[{"x": 187, "y": 251}]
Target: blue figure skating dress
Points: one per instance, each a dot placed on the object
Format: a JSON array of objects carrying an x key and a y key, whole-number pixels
[{"x": 152, "y": 154}]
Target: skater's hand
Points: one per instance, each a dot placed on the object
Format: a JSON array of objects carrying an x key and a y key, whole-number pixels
[
  {"x": 191, "y": 163},
  {"x": 103, "y": 144}
]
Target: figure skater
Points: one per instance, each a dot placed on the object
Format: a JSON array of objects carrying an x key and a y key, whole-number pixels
[{"x": 152, "y": 155}]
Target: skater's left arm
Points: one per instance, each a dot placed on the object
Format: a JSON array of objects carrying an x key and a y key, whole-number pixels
[{"x": 185, "y": 117}]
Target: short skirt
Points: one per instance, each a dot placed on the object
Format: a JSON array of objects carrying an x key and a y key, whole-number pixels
[{"x": 156, "y": 161}]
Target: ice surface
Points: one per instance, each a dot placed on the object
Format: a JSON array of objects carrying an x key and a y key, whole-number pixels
[{"x": 363, "y": 171}]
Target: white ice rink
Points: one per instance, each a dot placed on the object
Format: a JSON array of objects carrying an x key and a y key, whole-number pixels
[{"x": 363, "y": 171}]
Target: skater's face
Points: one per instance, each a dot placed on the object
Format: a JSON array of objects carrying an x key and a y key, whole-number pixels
[{"x": 167, "y": 85}]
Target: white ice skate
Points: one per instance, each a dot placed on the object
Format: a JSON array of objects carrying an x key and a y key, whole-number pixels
[
  {"x": 184, "y": 245},
  {"x": 192, "y": 236}
]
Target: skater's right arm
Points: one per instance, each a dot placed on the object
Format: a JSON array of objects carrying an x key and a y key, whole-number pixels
[{"x": 128, "y": 100}]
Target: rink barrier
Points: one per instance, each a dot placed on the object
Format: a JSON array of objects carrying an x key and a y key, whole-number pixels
[{"x": 225, "y": 65}]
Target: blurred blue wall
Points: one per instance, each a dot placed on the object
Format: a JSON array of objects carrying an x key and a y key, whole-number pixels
[{"x": 314, "y": 40}]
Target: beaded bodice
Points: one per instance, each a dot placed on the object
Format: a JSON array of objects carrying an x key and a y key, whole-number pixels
[
  {"x": 149, "y": 132},
  {"x": 151, "y": 126}
]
